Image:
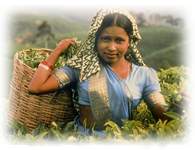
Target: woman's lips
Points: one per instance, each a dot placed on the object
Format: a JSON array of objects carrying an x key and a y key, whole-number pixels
[{"x": 111, "y": 55}]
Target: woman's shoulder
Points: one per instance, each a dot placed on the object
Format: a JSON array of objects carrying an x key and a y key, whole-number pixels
[
  {"x": 144, "y": 70},
  {"x": 72, "y": 73}
]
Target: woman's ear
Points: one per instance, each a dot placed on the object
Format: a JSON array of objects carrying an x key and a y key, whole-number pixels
[{"x": 129, "y": 45}]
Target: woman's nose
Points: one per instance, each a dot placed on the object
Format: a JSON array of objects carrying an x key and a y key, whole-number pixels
[{"x": 112, "y": 46}]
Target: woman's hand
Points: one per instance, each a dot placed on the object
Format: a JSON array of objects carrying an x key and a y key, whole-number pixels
[
  {"x": 42, "y": 80},
  {"x": 63, "y": 45}
]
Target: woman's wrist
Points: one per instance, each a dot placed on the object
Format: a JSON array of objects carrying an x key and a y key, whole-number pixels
[
  {"x": 46, "y": 65},
  {"x": 58, "y": 51},
  {"x": 50, "y": 62}
]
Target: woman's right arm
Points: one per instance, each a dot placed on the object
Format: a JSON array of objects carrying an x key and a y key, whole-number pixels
[{"x": 43, "y": 80}]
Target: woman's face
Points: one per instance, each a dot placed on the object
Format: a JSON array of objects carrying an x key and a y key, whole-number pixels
[{"x": 112, "y": 44}]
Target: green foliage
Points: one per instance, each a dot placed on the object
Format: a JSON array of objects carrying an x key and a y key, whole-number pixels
[
  {"x": 159, "y": 37},
  {"x": 33, "y": 57},
  {"x": 143, "y": 114},
  {"x": 133, "y": 129},
  {"x": 163, "y": 58},
  {"x": 112, "y": 129},
  {"x": 142, "y": 127},
  {"x": 160, "y": 44},
  {"x": 172, "y": 82},
  {"x": 164, "y": 129},
  {"x": 17, "y": 128}
]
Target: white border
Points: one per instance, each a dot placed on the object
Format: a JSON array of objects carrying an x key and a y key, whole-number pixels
[{"x": 10, "y": 6}]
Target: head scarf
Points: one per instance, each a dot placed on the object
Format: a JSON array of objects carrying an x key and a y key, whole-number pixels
[{"x": 86, "y": 58}]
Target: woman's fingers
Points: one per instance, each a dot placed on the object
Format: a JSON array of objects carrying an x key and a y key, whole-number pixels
[
  {"x": 64, "y": 44},
  {"x": 73, "y": 42},
  {"x": 67, "y": 42}
]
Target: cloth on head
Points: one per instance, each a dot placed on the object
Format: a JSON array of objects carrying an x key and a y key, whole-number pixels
[{"x": 86, "y": 58}]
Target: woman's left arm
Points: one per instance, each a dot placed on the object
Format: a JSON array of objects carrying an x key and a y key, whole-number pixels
[
  {"x": 157, "y": 105},
  {"x": 152, "y": 95}
]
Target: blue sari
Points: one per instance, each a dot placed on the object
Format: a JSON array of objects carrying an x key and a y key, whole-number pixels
[{"x": 124, "y": 94}]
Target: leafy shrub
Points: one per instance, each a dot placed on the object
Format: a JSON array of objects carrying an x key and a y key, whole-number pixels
[{"x": 143, "y": 126}]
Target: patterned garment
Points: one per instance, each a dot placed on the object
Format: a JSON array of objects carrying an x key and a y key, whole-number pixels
[
  {"x": 99, "y": 87},
  {"x": 86, "y": 58},
  {"x": 113, "y": 98}
]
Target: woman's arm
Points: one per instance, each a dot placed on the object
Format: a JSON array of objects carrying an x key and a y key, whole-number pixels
[
  {"x": 43, "y": 79},
  {"x": 157, "y": 105},
  {"x": 152, "y": 95}
]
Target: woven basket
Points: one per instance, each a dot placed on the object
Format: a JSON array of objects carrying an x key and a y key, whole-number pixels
[{"x": 31, "y": 109}]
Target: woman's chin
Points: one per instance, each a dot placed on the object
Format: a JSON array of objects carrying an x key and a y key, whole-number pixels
[{"x": 111, "y": 61}]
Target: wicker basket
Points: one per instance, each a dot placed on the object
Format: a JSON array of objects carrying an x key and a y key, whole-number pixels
[{"x": 31, "y": 109}]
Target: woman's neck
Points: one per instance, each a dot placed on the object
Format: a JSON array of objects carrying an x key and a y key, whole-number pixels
[
  {"x": 118, "y": 65},
  {"x": 121, "y": 68}
]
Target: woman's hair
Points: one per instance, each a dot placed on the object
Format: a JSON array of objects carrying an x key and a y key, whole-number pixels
[{"x": 114, "y": 19}]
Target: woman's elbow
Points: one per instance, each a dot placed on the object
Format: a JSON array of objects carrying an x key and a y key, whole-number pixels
[{"x": 33, "y": 89}]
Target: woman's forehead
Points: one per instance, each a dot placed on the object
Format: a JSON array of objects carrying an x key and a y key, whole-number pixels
[{"x": 115, "y": 31}]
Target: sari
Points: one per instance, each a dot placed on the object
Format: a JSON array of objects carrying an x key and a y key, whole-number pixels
[{"x": 109, "y": 97}]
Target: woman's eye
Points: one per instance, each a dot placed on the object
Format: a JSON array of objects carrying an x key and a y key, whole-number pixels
[
  {"x": 119, "y": 40},
  {"x": 105, "y": 39}
]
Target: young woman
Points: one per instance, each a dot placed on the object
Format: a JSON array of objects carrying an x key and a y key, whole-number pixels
[{"x": 109, "y": 71}]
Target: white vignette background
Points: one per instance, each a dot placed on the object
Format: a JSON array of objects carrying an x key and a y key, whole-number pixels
[{"x": 184, "y": 7}]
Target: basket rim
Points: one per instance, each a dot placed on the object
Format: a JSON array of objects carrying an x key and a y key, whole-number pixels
[{"x": 26, "y": 50}]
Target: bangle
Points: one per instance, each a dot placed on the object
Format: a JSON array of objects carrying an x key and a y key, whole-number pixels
[
  {"x": 46, "y": 63},
  {"x": 44, "y": 66}
]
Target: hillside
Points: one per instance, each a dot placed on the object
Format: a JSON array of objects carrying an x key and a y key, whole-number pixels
[{"x": 161, "y": 46}]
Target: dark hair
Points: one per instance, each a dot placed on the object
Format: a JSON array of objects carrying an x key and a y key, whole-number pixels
[{"x": 116, "y": 19}]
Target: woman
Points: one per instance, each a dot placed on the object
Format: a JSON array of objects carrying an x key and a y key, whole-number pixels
[{"x": 110, "y": 73}]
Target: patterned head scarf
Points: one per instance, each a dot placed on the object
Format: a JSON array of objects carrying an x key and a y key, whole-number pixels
[{"x": 86, "y": 58}]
